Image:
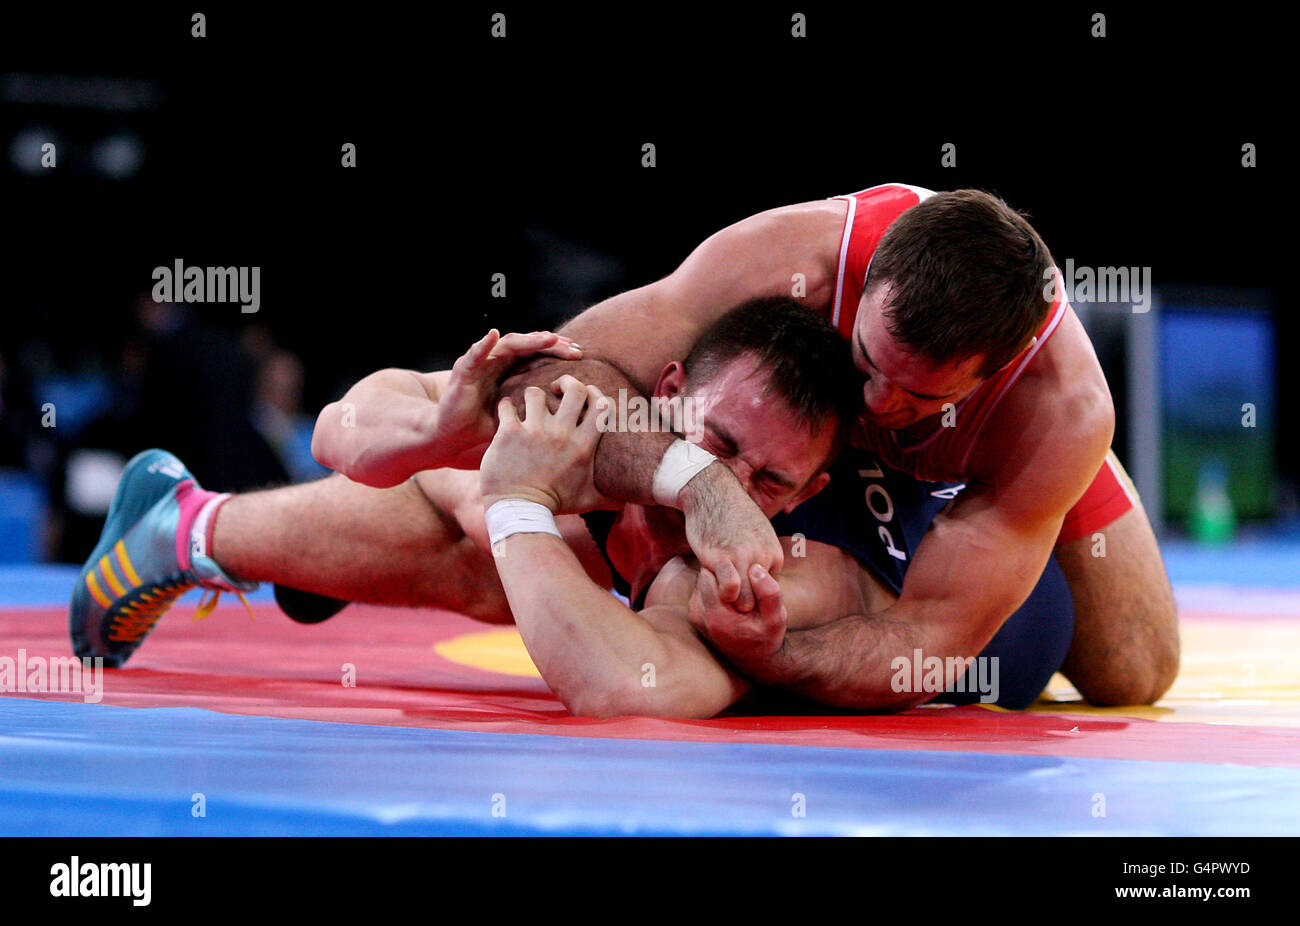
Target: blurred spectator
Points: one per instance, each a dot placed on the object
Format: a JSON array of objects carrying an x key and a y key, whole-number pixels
[
  {"x": 19, "y": 419},
  {"x": 196, "y": 399},
  {"x": 26, "y": 456},
  {"x": 278, "y": 414},
  {"x": 182, "y": 385}
]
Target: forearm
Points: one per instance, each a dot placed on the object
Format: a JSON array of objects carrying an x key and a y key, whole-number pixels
[
  {"x": 591, "y": 649},
  {"x": 379, "y": 432},
  {"x": 944, "y": 612},
  {"x": 846, "y": 663},
  {"x": 863, "y": 662},
  {"x": 870, "y": 661},
  {"x": 626, "y": 460}
]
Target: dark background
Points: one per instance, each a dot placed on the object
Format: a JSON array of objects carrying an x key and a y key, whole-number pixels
[{"x": 523, "y": 156}]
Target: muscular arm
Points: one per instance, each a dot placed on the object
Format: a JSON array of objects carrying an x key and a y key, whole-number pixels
[
  {"x": 394, "y": 423},
  {"x": 379, "y": 432},
  {"x": 628, "y": 339},
  {"x": 979, "y": 561},
  {"x": 597, "y": 654},
  {"x": 942, "y": 611}
]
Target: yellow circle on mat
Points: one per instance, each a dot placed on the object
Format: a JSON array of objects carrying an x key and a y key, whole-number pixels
[{"x": 492, "y": 650}]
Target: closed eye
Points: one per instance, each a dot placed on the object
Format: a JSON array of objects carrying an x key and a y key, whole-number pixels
[
  {"x": 724, "y": 442},
  {"x": 862, "y": 348},
  {"x": 777, "y": 481}
]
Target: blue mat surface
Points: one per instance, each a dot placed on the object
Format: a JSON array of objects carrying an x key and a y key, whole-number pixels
[{"x": 77, "y": 769}]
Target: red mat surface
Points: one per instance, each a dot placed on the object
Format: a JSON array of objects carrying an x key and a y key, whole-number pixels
[{"x": 274, "y": 667}]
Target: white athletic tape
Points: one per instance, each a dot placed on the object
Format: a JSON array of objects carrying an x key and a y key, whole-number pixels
[
  {"x": 681, "y": 463},
  {"x": 516, "y": 516}
]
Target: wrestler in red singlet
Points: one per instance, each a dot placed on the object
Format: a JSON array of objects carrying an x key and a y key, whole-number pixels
[{"x": 944, "y": 454}]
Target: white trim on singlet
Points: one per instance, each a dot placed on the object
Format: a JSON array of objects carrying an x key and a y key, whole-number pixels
[
  {"x": 1130, "y": 492},
  {"x": 920, "y": 191},
  {"x": 1020, "y": 368},
  {"x": 844, "y": 254},
  {"x": 922, "y": 195}
]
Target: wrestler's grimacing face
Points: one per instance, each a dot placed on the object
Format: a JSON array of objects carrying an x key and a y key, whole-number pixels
[
  {"x": 902, "y": 388},
  {"x": 777, "y": 459}
]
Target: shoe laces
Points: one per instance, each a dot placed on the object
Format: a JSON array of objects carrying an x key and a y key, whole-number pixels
[
  {"x": 137, "y": 617},
  {"x": 208, "y": 605}
]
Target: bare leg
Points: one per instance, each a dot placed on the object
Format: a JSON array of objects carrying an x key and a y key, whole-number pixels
[
  {"x": 381, "y": 546},
  {"x": 1125, "y": 648}
]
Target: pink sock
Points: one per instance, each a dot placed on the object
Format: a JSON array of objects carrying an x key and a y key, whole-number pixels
[{"x": 197, "y": 519}]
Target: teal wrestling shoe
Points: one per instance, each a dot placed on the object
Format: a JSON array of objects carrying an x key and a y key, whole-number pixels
[{"x": 145, "y": 560}]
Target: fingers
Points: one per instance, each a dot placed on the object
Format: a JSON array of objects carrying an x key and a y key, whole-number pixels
[
  {"x": 764, "y": 627},
  {"x": 513, "y": 346},
  {"x": 506, "y": 413},
  {"x": 477, "y": 353},
  {"x": 745, "y": 599},
  {"x": 729, "y": 583},
  {"x": 564, "y": 349},
  {"x": 767, "y": 594},
  {"x": 597, "y": 406},
  {"x": 777, "y": 559},
  {"x": 704, "y": 598},
  {"x": 706, "y": 583},
  {"x": 534, "y": 405},
  {"x": 574, "y": 397},
  {"x": 596, "y": 421}
]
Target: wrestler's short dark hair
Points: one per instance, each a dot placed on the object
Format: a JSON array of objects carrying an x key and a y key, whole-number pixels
[
  {"x": 967, "y": 276},
  {"x": 807, "y": 362}
]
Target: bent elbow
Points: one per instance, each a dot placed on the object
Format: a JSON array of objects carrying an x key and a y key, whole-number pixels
[
  {"x": 636, "y": 700},
  {"x": 597, "y": 705},
  {"x": 323, "y": 450}
]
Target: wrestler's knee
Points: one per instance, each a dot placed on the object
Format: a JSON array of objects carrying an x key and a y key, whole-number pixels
[
  {"x": 1126, "y": 648},
  {"x": 1141, "y": 674},
  {"x": 1166, "y": 654}
]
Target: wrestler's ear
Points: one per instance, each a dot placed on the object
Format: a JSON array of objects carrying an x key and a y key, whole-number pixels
[
  {"x": 815, "y": 485},
  {"x": 671, "y": 381}
]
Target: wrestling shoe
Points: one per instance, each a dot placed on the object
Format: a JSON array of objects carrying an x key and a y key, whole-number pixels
[{"x": 146, "y": 559}]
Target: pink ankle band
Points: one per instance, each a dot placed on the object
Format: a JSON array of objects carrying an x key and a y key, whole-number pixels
[{"x": 193, "y": 503}]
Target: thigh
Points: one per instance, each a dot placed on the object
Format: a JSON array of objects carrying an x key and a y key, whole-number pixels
[
  {"x": 1125, "y": 648},
  {"x": 454, "y": 494}
]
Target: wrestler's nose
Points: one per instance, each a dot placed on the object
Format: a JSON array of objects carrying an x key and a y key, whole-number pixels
[{"x": 880, "y": 397}]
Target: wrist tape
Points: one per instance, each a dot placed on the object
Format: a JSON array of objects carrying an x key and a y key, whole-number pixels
[
  {"x": 681, "y": 463},
  {"x": 516, "y": 516}
]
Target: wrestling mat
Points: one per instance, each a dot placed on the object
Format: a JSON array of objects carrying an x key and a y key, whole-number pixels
[{"x": 386, "y": 721}]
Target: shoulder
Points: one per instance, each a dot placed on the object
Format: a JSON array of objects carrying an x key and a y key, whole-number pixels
[
  {"x": 801, "y": 226},
  {"x": 775, "y": 244},
  {"x": 1050, "y": 433}
]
